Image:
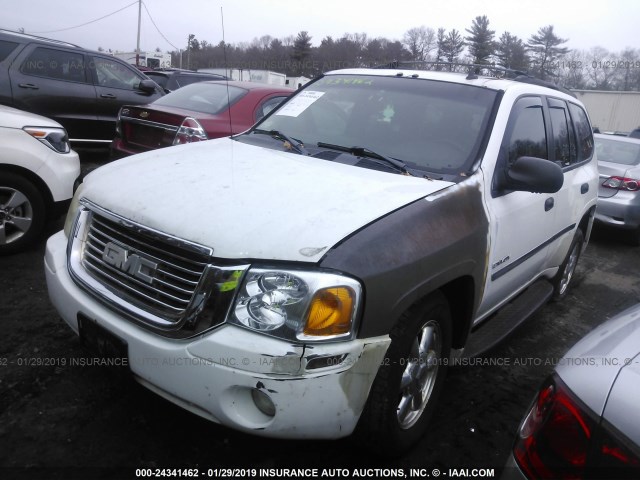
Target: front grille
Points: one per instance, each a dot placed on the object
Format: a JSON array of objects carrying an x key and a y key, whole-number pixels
[
  {"x": 173, "y": 283},
  {"x": 159, "y": 281}
]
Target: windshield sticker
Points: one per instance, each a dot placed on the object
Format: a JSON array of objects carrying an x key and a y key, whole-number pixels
[
  {"x": 347, "y": 81},
  {"x": 299, "y": 103}
]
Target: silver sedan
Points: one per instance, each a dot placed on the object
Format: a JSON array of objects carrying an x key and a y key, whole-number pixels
[
  {"x": 619, "y": 191},
  {"x": 585, "y": 419}
]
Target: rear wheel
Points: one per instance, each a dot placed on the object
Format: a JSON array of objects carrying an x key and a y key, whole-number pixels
[
  {"x": 564, "y": 277},
  {"x": 22, "y": 213},
  {"x": 409, "y": 381}
]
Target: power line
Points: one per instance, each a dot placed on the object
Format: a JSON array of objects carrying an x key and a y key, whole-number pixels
[
  {"x": 154, "y": 24},
  {"x": 92, "y": 21}
]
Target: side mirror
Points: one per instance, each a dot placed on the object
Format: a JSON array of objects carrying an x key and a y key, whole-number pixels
[
  {"x": 532, "y": 174},
  {"x": 147, "y": 86}
]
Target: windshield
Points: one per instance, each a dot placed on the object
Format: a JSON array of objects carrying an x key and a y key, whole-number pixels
[
  {"x": 616, "y": 151},
  {"x": 430, "y": 125}
]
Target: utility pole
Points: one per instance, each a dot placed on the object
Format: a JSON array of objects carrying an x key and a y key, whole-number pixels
[
  {"x": 191, "y": 36},
  {"x": 138, "y": 43}
]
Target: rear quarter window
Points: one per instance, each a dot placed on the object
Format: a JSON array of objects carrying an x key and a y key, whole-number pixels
[
  {"x": 6, "y": 48},
  {"x": 584, "y": 134},
  {"x": 624, "y": 153}
]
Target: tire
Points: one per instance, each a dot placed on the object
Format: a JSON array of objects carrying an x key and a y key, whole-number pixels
[
  {"x": 22, "y": 213},
  {"x": 563, "y": 279},
  {"x": 410, "y": 379}
]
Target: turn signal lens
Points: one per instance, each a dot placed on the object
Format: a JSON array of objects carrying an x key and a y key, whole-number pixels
[
  {"x": 331, "y": 312},
  {"x": 54, "y": 138},
  {"x": 297, "y": 305}
]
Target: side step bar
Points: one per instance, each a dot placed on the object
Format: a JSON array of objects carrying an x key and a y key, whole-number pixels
[{"x": 503, "y": 323}]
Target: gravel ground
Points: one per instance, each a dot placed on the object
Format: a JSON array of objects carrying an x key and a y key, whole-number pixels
[{"x": 59, "y": 420}]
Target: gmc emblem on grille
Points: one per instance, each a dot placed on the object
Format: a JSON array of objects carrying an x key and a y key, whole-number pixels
[{"x": 132, "y": 264}]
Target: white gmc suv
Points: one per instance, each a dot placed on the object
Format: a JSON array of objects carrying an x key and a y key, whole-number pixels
[{"x": 315, "y": 275}]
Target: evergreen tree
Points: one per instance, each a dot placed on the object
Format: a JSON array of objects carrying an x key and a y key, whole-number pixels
[
  {"x": 511, "y": 52},
  {"x": 453, "y": 47},
  {"x": 301, "y": 51},
  {"x": 480, "y": 40},
  {"x": 545, "y": 49}
]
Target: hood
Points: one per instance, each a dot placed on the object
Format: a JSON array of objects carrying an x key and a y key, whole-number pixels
[
  {"x": 249, "y": 202},
  {"x": 14, "y": 118}
]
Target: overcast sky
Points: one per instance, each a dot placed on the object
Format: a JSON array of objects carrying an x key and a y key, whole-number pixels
[{"x": 613, "y": 25}]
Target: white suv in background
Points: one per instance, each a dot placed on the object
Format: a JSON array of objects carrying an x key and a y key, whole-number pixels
[{"x": 37, "y": 175}]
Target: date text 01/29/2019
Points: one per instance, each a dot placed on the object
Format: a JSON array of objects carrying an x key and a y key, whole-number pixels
[{"x": 595, "y": 64}]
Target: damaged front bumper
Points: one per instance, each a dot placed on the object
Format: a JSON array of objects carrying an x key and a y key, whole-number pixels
[{"x": 244, "y": 380}]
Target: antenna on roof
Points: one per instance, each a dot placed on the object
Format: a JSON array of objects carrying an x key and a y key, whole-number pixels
[{"x": 226, "y": 71}]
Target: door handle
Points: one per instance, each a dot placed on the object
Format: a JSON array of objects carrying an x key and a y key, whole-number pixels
[
  {"x": 28, "y": 85},
  {"x": 548, "y": 204},
  {"x": 108, "y": 95},
  {"x": 584, "y": 188}
]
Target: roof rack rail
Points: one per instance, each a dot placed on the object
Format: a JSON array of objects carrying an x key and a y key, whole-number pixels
[
  {"x": 36, "y": 37},
  {"x": 475, "y": 69}
]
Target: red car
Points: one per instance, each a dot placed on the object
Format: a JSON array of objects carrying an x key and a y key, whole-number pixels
[{"x": 196, "y": 112}]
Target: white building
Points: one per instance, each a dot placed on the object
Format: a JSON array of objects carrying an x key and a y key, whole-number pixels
[{"x": 612, "y": 111}]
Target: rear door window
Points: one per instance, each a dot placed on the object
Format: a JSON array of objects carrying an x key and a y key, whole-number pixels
[
  {"x": 56, "y": 64},
  {"x": 564, "y": 142}
]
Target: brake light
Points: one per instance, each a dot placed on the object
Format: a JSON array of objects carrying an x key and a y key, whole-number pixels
[
  {"x": 561, "y": 438},
  {"x": 190, "y": 131},
  {"x": 622, "y": 183}
]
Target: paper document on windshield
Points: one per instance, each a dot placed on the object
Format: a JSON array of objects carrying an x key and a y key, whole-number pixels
[{"x": 299, "y": 103}]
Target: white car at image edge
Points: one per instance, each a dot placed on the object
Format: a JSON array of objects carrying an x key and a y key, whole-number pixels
[
  {"x": 38, "y": 172},
  {"x": 585, "y": 419}
]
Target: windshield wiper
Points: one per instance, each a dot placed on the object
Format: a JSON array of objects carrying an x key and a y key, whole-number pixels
[
  {"x": 296, "y": 145},
  {"x": 365, "y": 152}
]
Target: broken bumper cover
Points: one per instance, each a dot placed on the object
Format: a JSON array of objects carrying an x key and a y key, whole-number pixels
[{"x": 316, "y": 391}]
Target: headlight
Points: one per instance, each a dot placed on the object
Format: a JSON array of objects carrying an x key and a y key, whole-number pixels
[
  {"x": 73, "y": 210},
  {"x": 297, "y": 305},
  {"x": 54, "y": 138}
]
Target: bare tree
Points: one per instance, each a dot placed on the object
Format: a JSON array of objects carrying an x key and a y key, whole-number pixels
[
  {"x": 572, "y": 70},
  {"x": 420, "y": 41},
  {"x": 629, "y": 77},
  {"x": 599, "y": 71}
]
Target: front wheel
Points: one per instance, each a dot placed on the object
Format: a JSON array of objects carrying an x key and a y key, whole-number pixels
[
  {"x": 409, "y": 381},
  {"x": 22, "y": 213},
  {"x": 565, "y": 275}
]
